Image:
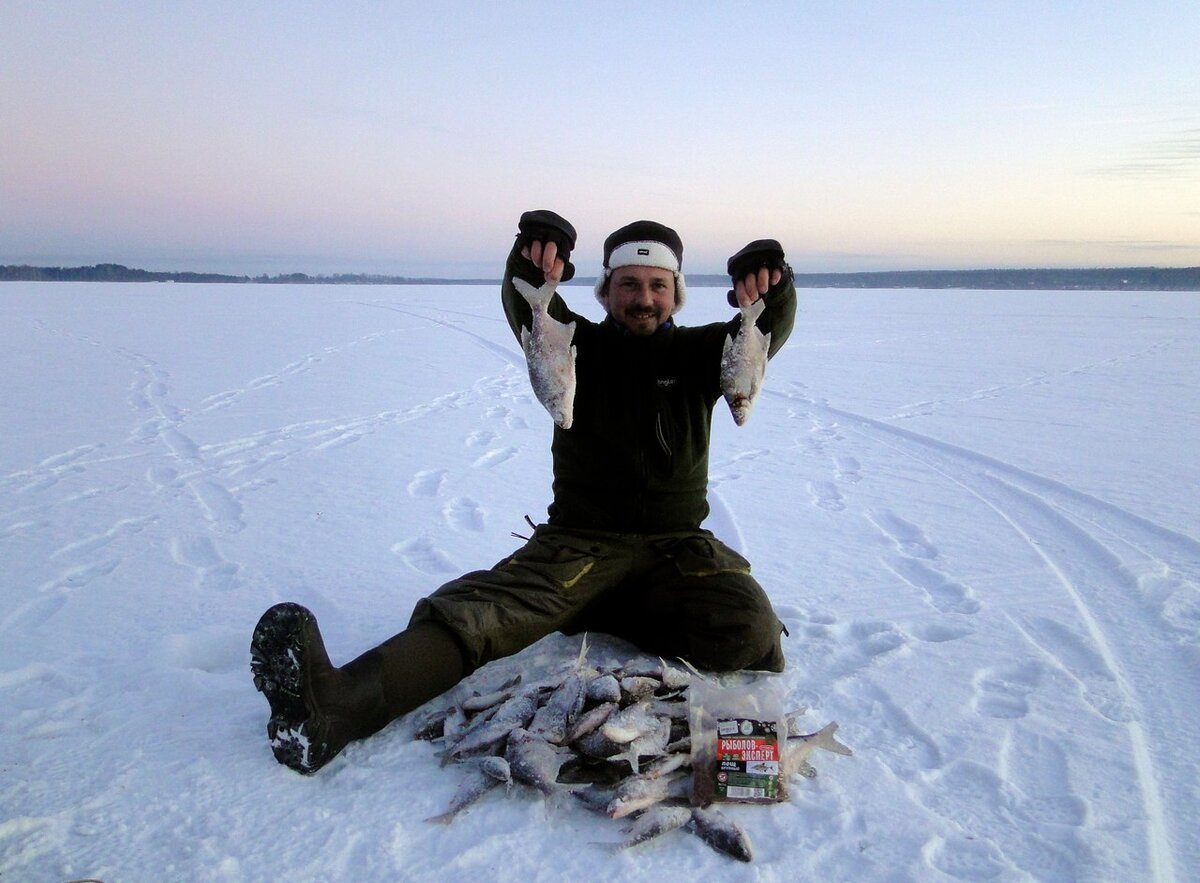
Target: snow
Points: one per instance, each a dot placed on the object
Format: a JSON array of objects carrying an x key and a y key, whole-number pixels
[{"x": 975, "y": 512}]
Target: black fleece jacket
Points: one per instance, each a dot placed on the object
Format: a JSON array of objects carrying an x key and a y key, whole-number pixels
[{"x": 635, "y": 459}]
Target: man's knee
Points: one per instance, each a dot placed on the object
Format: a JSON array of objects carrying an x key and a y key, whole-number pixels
[{"x": 752, "y": 641}]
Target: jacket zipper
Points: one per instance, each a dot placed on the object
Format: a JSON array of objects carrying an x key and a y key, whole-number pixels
[{"x": 658, "y": 431}]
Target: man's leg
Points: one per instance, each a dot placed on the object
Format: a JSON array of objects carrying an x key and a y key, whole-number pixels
[
  {"x": 317, "y": 709},
  {"x": 538, "y": 590}
]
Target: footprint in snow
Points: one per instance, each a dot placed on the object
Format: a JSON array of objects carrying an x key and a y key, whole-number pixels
[
  {"x": 480, "y": 438},
  {"x": 463, "y": 513},
  {"x": 985, "y": 808},
  {"x": 1039, "y": 770},
  {"x": 938, "y": 633},
  {"x": 897, "y": 739},
  {"x": 210, "y": 649},
  {"x": 907, "y": 537},
  {"x": 826, "y": 496},
  {"x": 1077, "y": 656},
  {"x": 1003, "y": 692},
  {"x": 426, "y": 483},
  {"x": 966, "y": 858},
  {"x": 495, "y": 457},
  {"x": 199, "y": 553},
  {"x": 944, "y": 594},
  {"x": 161, "y": 478},
  {"x": 422, "y": 555},
  {"x": 848, "y": 470}
]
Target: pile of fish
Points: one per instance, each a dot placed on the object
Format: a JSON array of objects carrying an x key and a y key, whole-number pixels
[{"x": 615, "y": 739}]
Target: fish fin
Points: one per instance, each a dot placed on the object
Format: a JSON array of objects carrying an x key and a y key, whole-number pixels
[
  {"x": 443, "y": 819},
  {"x": 824, "y": 739}
]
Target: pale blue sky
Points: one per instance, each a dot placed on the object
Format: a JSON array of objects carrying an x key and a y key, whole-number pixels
[{"x": 408, "y": 137}]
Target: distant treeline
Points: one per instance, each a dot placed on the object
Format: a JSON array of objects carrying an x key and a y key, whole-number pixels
[
  {"x": 1110, "y": 279},
  {"x": 121, "y": 273}
]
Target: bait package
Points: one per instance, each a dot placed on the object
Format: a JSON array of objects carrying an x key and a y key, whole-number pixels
[{"x": 738, "y": 730}]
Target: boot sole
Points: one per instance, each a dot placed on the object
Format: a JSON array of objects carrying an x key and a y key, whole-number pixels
[{"x": 277, "y": 661}]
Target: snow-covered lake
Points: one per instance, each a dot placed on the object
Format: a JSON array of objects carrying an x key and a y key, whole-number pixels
[{"x": 976, "y": 512}]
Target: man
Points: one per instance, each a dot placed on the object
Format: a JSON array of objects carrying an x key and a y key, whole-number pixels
[{"x": 622, "y": 551}]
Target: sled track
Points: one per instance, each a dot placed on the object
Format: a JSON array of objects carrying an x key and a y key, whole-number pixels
[{"x": 1138, "y": 680}]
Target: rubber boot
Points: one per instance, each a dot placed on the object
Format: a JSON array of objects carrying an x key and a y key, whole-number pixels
[{"x": 317, "y": 709}]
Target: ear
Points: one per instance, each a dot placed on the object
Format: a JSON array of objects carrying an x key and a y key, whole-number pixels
[{"x": 601, "y": 289}]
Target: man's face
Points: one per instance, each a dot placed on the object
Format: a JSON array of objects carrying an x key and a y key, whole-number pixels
[{"x": 640, "y": 298}]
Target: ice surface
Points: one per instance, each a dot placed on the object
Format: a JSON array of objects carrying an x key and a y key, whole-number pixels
[{"x": 976, "y": 513}]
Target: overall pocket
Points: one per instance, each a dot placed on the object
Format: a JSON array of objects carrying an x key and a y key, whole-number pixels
[
  {"x": 554, "y": 558},
  {"x": 698, "y": 556}
]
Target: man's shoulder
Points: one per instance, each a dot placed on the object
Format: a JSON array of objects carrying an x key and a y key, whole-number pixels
[{"x": 699, "y": 335}]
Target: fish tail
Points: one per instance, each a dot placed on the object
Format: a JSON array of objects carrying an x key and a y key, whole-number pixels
[
  {"x": 535, "y": 296},
  {"x": 824, "y": 739}
]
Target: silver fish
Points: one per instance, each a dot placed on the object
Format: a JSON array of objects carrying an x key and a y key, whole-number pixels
[
  {"x": 675, "y": 678},
  {"x": 477, "y": 702},
  {"x": 433, "y": 726},
  {"x": 477, "y": 783},
  {"x": 744, "y": 363},
  {"x": 637, "y": 687},
  {"x": 533, "y": 761},
  {"x": 666, "y": 765},
  {"x": 604, "y": 688},
  {"x": 512, "y": 714},
  {"x": 655, "y": 821},
  {"x": 641, "y": 792},
  {"x": 630, "y": 723},
  {"x": 497, "y": 768},
  {"x": 799, "y": 748},
  {"x": 652, "y": 744},
  {"x": 549, "y": 354},
  {"x": 590, "y": 721},
  {"x": 794, "y": 727},
  {"x": 553, "y": 720},
  {"x": 721, "y": 833}
]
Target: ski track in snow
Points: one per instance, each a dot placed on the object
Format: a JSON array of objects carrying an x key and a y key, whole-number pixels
[
  {"x": 1123, "y": 666},
  {"x": 997, "y": 793}
]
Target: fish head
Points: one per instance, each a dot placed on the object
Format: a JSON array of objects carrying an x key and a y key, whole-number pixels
[{"x": 740, "y": 405}]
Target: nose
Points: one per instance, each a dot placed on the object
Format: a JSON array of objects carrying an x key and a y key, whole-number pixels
[{"x": 643, "y": 294}]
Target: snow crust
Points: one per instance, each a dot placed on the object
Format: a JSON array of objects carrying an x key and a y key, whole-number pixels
[{"x": 975, "y": 512}]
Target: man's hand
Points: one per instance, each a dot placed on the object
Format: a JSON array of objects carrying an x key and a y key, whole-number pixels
[
  {"x": 547, "y": 239},
  {"x": 545, "y": 257},
  {"x": 755, "y": 270},
  {"x": 754, "y": 285}
]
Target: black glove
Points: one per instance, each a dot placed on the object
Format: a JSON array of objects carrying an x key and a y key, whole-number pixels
[
  {"x": 545, "y": 226},
  {"x": 758, "y": 254}
]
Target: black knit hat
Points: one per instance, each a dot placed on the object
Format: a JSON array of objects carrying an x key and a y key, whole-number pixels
[{"x": 645, "y": 244}]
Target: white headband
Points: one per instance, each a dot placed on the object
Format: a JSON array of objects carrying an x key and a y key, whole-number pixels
[{"x": 643, "y": 254}]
